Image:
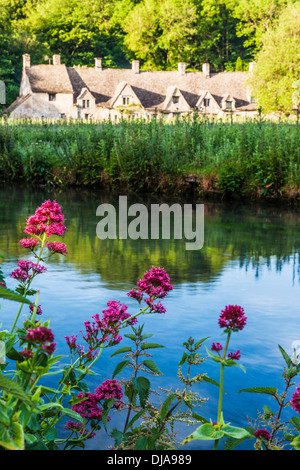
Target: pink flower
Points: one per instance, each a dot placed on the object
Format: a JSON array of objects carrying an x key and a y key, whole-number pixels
[
  {"x": 38, "y": 310},
  {"x": 216, "y": 347},
  {"x": 235, "y": 356},
  {"x": 27, "y": 353},
  {"x": 39, "y": 334},
  {"x": 26, "y": 270},
  {"x": 57, "y": 247},
  {"x": 295, "y": 401},
  {"x": 29, "y": 243},
  {"x": 262, "y": 434},
  {"x": 232, "y": 318},
  {"x": 109, "y": 389},
  {"x": 2, "y": 284},
  {"x": 48, "y": 218}
]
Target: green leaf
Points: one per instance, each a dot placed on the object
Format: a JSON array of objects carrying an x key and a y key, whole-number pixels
[
  {"x": 121, "y": 351},
  {"x": 210, "y": 381},
  {"x": 142, "y": 386},
  {"x": 266, "y": 390},
  {"x": 183, "y": 359},
  {"x": 119, "y": 367},
  {"x": 296, "y": 443},
  {"x": 105, "y": 410},
  {"x": 285, "y": 356},
  {"x": 152, "y": 366},
  {"x": 235, "y": 432},
  {"x": 8, "y": 294},
  {"x": 231, "y": 442},
  {"x": 11, "y": 387},
  {"x": 151, "y": 346},
  {"x": 141, "y": 443},
  {"x": 165, "y": 407},
  {"x": 295, "y": 421},
  {"x": 12, "y": 436},
  {"x": 199, "y": 418},
  {"x": 205, "y": 432},
  {"x": 135, "y": 418}
]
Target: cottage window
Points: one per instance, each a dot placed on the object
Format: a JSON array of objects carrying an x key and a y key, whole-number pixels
[
  {"x": 206, "y": 102},
  {"x": 126, "y": 100},
  {"x": 252, "y": 99},
  {"x": 87, "y": 103},
  {"x": 175, "y": 99},
  {"x": 52, "y": 96},
  {"x": 228, "y": 105},
  {"x": 62, "y": 115},
  {"x": 86, "y": 116}
]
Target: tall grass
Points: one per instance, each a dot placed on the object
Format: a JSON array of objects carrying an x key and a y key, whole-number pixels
[{"x": 247, "y": 157}]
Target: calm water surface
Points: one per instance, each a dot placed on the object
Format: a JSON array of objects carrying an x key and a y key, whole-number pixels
[{"x": 250, "y": 257}]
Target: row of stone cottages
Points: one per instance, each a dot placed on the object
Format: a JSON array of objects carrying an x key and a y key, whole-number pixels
[{"x": 56, "y": 91}]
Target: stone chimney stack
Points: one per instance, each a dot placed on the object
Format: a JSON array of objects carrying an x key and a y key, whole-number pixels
[
  {"x": 205, "y": 70},
  {"x": 26, "y": 61},
  {"x": 56, "y": 59},
  {"x": 98, "y": 64},
  {"x": 135, "y": 66},
  {"x": 181, "y": 67}
]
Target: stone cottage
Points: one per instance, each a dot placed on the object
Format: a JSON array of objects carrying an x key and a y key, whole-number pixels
[{"x": 96, "y": 93}]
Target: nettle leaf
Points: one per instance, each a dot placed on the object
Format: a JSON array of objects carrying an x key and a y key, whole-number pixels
[
  {"x": 152, "y": 366},
  {"x": 135, "y": 418},
  {"x": 165, "y": 407},
  {"x": 266, "y": 390},
  {"x": 296, "y": 443},
  {"x": 142, "y": 386},
  {"x": 151, "y": 346},
  {"x": 119, "y": 367},
  {"x": 232, "y": 442}
]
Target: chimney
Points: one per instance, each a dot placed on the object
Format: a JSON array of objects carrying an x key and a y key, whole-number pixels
[
  {"x": 252, "y": 66},
  {"x": 205, "y": 69},
  {"x": 181, "y": 67},
  {"x": 98, "y": 64},
  {"x": 56, "y": 59},
  {"x": 26, "y": 61},
  {"x": 135, "y": 66}
]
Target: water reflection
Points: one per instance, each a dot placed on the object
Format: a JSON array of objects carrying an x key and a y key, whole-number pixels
[{"x": 248, "y": 234}]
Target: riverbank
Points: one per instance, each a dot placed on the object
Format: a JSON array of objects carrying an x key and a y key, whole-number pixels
[{"x": 255, "y": 159}]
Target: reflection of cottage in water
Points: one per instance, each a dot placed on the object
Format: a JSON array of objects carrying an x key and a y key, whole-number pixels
[{"x": 57, "y": 91}]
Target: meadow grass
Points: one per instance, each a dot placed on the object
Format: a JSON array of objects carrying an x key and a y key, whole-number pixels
[{"x": 249, "y": 157}]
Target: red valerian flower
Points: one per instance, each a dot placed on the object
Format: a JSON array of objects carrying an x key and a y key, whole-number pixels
[
  {"x": 235, "y": 356},
  {"x": 57, "y": 247},
  {"x": 263, "y": 434},
  {"x": 48, "y": 218},
  {"x": 232, "y": 318},
  {"x": 295, "y": 401},
  {"x": 216, "y": 347}
]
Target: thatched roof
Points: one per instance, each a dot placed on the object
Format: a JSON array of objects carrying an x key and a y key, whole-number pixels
[
  {"x": 49, "y": 79},
  {"x": 151, "y": 88}
]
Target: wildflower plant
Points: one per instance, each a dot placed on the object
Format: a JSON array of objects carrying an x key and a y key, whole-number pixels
[{"x": 30, "y": 411}]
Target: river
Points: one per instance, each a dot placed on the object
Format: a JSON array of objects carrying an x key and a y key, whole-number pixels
[{"x": 250, "y": 257}]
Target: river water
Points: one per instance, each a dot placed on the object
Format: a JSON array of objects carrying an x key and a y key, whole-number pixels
[{"x": 250, "y": 257}]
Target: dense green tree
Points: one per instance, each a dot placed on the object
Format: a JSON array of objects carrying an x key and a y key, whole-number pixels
[{"x": 278, "y": 62}]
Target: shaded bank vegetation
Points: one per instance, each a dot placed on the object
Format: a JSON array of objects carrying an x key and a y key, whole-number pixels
[{"x": 257, "y": 159}]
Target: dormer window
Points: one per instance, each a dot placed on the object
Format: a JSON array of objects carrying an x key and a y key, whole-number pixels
[
  {"x": 206, "y": 102},
  {"x": 126, "y": 100},
  {"x": 85, "y": 103},
  {"x": 175, "y": 99},
  {"x": 52, "y": 96},
  {"x": 228, "y": 104}
]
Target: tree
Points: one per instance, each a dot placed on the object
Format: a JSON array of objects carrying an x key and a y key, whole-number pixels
[{"x": 278, "y": 63}]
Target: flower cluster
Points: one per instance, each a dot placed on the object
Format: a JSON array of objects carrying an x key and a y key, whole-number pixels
[
  {"x": 232, "y": 318},
  {"x": 57, "y": 247},
  {"x": 42, "y": 336},
  {"x": 295, "y": 401},
  {"x": 79, "y": 427},
  {"x": 26, "y": 270},
  {"x": 38, "y": 309},
  {"x": 218, "y": 347},
  {"x": 154, "y": 285},
  {"x": 48, "y": 219},
  {"x": 89, "y": 407},
  {"x": 262, "y": 434},
  {"x": 106, "y": 328}
]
